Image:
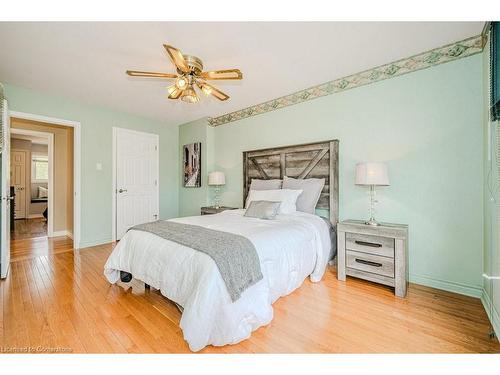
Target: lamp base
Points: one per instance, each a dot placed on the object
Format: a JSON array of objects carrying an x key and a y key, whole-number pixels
[
  {"x": 217, "y": 197},
  {"x": 372, "y": 222}
]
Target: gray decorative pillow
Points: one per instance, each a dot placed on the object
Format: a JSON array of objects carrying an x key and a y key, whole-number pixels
[
  {"x": 265, "y": 184},
  {"x": 263, "y": 209},
  {"x": 311, "y": 191}
]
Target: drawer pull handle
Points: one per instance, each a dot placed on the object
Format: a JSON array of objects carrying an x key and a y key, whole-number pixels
[
  {"x": 368, "y": 263},
  {"x": 371, "y": 244}
]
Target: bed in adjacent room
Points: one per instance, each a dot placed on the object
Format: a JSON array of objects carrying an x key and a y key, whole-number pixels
[{"x": 226, "y": 270}]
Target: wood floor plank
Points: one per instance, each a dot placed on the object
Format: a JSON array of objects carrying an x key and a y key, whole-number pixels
[
  {"x": 21, "y": 324},
  {"x": 107, "y": 318},
  {"x": 29, "y": 228},
  {"x": 58, "y": 328},
  {"x": 59, "y": 298}
]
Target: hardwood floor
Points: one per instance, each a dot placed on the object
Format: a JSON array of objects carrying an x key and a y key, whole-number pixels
[
  {"x": 29, "y": 228},
  {"x": 62, "y": 300},
  {"x": 39, "y": 246}
]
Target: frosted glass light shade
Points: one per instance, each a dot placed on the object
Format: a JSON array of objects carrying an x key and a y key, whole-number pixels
[
  {"x": 216, "y": 178},
  {"x": 372, "y": 173}
]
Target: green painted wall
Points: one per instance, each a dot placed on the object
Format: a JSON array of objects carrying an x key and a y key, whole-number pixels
[
  {"x": 194, "y": 198},
  {"x": 96, "y": 139},
  {"x": 428, "y": 127}
]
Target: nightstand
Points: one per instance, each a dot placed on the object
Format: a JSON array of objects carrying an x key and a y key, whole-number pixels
[
  {"x": 213, "y": 210},
  {"x": 374, "y": 253}
]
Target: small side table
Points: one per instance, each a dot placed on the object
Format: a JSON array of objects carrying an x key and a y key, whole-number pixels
[
  {"x": 212, "y": 210},
  {"x": 374, "y": 253}
]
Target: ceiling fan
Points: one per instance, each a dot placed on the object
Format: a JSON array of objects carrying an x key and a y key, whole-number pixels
[{"x": 190, "y": 74}]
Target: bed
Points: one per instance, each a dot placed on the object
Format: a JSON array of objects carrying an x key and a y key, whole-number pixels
[{"x": 290, "y": 248}]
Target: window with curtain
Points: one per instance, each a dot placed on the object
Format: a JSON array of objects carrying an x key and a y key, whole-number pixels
[{"x": 39, "y": 168}]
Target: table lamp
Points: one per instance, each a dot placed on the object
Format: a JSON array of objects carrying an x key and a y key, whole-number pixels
[
  {"x": 216, "y": 179},
  {"x": 372, "y": 174}
]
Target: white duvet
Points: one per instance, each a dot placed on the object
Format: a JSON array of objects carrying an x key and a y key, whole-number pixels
[{"x": 290, "y": 248}]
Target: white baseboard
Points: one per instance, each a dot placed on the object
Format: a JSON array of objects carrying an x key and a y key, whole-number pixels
[
  {"x": 449, "y": 286},
  {"x": 35, "y": 216},
  {"x": 495, "y": 319},
  {"x": 62, "y": 233},
  {"x": 104, "y": 241}
]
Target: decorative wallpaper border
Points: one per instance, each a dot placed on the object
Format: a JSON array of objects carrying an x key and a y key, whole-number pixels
[{"x": 450, "y": 52}]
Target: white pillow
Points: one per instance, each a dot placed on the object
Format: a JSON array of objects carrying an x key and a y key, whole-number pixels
[
  {"x": 312, "y": 188},
  {"x": 43, "y": 192},
  {"x": 258, "y": 184},
  {"x": 287, "y": 197}
]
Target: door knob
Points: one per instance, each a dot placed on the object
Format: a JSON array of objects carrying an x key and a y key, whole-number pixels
[
  {"x": 122, "y": 190},
  {"x": 8, "y": 198}
]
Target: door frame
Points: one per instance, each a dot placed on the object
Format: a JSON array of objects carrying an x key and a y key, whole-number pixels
[
  {"x": 50, "y": 200},
  {"x": 76, "y": 125},
  {"x": 5, "y": 205},
  {"x": 117, "y": 130}
]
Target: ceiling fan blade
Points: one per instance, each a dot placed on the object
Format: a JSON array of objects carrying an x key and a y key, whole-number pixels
[
  {"x": 177, "y": 58},
  {"x": 211, "y": 90},
  {"x": 174, "y": 92},
  {"x": 136, "y": 73},
  {"x": 222, "y": 74}
]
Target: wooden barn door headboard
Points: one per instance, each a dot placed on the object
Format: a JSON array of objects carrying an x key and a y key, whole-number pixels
[{"x": 312, "y": 160}]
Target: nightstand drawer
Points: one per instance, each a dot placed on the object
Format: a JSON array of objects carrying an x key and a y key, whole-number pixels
[
  {"x": 370, "y": 263},
  {"x": 366, "y": 243}
]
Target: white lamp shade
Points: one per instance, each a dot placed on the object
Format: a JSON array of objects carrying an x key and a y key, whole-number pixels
[
  {"x": 372, "y": 174},
  {"x": 216, "y": 178}
]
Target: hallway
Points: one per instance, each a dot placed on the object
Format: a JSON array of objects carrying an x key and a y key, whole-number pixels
[{"x": 29, "y": 228}]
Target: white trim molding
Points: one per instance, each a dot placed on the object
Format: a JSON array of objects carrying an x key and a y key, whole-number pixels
[
  {"x": 35, "y": 216},
  {"x": 62, "y": 233},
  {"x": 447, "y": 53},
  {"x": 492, "y": 312},
  {"x": 467, "y": 290},
  {"x": 76, "y": 166},
  {"x": 105, "y": 241}
]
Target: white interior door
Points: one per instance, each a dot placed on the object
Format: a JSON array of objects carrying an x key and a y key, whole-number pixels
[
  {"x": 136, "y": 179},
  {"x": 18, "y": 180},
  {"x": 5, "y": 193}
]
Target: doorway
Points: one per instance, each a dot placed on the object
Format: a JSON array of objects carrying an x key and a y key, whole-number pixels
[
  {"x": 57, "y": 171},
  {"x": 32, "y": 184},
  {"x": 41, "y": 177},
  {"x": 61, "y": 239}
]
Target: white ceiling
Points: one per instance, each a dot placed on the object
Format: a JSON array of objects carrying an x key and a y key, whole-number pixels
[{"x": 87, "y": 61}]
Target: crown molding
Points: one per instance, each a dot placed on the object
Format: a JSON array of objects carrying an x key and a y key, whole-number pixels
[{"x": 424, "y": 60}]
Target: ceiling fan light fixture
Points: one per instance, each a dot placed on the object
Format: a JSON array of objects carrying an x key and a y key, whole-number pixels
[
  {"x": 189, "y": 73},
  {"x": 181, "y": 82},
  {"x": 189, "y": 95}
]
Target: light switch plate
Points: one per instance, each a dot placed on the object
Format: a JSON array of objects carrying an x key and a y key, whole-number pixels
[{"x": 98, "y": 166}]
